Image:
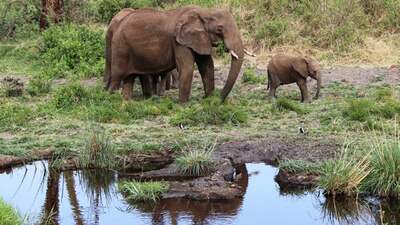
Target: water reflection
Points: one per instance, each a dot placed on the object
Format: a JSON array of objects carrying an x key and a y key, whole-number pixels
[{"x": 90, "y": 197}]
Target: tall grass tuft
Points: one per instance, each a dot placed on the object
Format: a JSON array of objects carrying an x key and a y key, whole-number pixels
[
  {"x": 345, "y": 174},
  {"x": 196, "y": 162},
  {"x": 283, "y": 104},
  {"x": 299, "y": 166},
  {"x": 384, "y": 178},
  {"x": 8, "y": 215},
  {"x": 98, "y": 151},
  {"x": 143, "y": 191}
]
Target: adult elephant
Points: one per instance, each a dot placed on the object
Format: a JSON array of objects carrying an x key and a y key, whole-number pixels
[{"x": 151, "y": 42}]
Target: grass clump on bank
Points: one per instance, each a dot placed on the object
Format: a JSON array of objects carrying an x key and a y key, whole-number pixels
[
  {"x": 196, "y": 162},
  {"x": 384, "y": 178},
  {"x": 143, "y": 191},
  {"x": 210, "y": 111},
  {"x": 97, "y": 152},
  {"x": 8, "y": 215},
  {"x": 299, "y": 166}
]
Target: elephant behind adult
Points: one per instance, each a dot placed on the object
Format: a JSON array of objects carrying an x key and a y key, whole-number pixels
[{"x": 154, "y": 42}]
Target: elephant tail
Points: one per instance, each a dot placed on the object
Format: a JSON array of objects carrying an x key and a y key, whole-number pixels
[
  {"x": 107, "y": 72},
  {"x": 269, "y": 80}
]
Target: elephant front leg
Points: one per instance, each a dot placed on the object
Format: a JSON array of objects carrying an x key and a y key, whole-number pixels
[
  {"x": 184, "y": 62},
  {"x": 205, "y": 64},
  {"x": 303, "y": 88}
]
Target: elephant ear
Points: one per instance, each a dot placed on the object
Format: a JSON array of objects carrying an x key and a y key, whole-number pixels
[
  {"x": 191, "y": 33},
  {"x": 300, "y": 65}
]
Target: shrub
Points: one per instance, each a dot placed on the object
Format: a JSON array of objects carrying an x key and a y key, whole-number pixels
[
  {"x": 8, "y": 215},
  {"x": 69, "y": 96},
  {"x": 13, "y": 115},
  {"x": 250, "y": 76},
  {"x": 283, "y": 104},
  {"x": 273, "y": 32},
  {"x": 148, "y": 108},
  {"x": 210, "y": 111},
  {"x": 143, "y": 191},
  {"x": 106, "y": 9},
  {"x": 98, "y": 151},
  {"x": 73, "y": 50},
  {"x": 17, "y": 18},
  {"x": 359, "y": 109},
  {"x": 38, "y": 85},
  {"x": 196, "y": 162}
]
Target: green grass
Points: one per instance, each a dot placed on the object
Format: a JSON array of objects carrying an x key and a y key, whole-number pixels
[
  {"x": 299, "y": 166},
  {"x": 210, "y": 111},
  {"x": 284, "y": 104},
  {"x": 13, "y": 115},
  {"x": 250, "y": 76},
  {"x": 98, "y": 151},
  {"x": 8, "y": 215},
  {"x": 196, "y": 161},
  {"x": 143, "y": 191}
]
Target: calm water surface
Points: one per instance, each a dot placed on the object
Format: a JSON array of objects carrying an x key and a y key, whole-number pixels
[{"x": 90, "y": 197}]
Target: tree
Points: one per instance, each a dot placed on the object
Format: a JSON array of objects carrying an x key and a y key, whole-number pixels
[{"x": 52, "y": 11}]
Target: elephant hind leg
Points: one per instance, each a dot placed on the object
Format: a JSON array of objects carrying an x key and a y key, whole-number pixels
[
  {"x": 146, "y": 86},
  {"x": 127, "y": 88}
]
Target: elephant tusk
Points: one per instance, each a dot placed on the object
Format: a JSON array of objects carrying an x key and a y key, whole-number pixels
[
  {"x": 234, "y": 54},
  {"x": 249, "y": 53}
]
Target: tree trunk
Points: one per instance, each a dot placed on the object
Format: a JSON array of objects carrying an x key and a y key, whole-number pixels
[{"x": 52, "y": 11}]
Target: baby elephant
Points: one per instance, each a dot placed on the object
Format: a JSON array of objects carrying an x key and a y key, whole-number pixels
[{"x": 284, "y": 69}]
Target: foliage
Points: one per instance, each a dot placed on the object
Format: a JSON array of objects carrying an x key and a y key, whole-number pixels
[
  {"x": 73, "y": 50},
  {"x": 250, "y": 76},
  {"x": 106, "y": 9},
  {"x": 284, "y": 104},
  {"x": 143, "y": 191},
  {"x": 345, "y": 174},
  {"x": 98, "y": 151},
  {"x": 384, "y": 178},
  {"x": 359, "y": 109},
  {"x": 299, "y": 166},
  {"x": 8, "y": 215},
  {"x": 38, "y": 85},
  {"x": 273, "y": 32},
  {"x": 196, "y": 162},
  {"x": 210, "y": 111},
  {"x": 13, "y": 115}
]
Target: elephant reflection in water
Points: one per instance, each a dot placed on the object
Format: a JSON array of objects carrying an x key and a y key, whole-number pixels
[
  {"x": 200, "y": 211},
  {"x": 95, "y": 188}
]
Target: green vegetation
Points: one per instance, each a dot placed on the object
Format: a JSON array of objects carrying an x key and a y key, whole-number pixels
[
  {"x": 8, "y": 215},
  {"x": 98, "y": 151},
  {"x": 73, "y": 50},
  {"x": 284, "y": 104},
  {"x": 196, "y": 162},
  {"x": 143, "y": 191},
  {"x": 299, "y": 166},
  {"x": 250, "y": 76},
  {"x": 210, "y": 111}
]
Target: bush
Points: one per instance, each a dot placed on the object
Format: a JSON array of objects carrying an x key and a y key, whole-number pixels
[
  {"x": 273, "y": 32},
  {"x": 73, "y": 50},
  {"x": 69, "y": 96},
  {"x": 8, "y": 215},
  {"x": 106, "y": 9},
  {"x": 359, "y": 109},
  {"x": 250, "y": 76},
  {"x": 17, "y": 18},
  {"x": 143, "y": 191},
  {"x": 196, "y": 162},
  {"x": 148, "y": 108},
  {"x": 13, "y": 115},
  {"x": 210, "y": 111},
  {"x": 38, "y": 85}
]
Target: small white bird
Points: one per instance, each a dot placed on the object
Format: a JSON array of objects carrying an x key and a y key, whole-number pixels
[{"x": 301, "y": 129}]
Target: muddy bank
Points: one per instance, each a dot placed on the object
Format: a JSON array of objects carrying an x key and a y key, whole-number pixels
[
  {"x": 230, "y": 156},
  {"x": 7, "y": 162}
]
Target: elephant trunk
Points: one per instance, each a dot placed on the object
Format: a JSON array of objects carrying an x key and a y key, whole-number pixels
[
  {"x": 318, "y": 78},
  {"x": 236, "y": 50}
]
